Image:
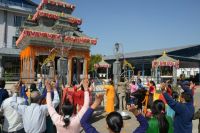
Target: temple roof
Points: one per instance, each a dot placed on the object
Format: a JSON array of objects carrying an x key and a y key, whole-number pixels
[
  {"x": 164, "y": 58},
  {"x": 50, "y": 26},
  {"x": 102, "y": 64}
]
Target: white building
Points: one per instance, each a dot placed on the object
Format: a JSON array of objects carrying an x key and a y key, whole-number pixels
[
  {"x": 188, "y": 72},
  {"x": 12, "y": 15}
]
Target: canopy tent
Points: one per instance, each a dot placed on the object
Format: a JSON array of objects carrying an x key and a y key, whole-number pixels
[
  {"x": 165, "y": 61},
  {"x": 103, "y": 64}
]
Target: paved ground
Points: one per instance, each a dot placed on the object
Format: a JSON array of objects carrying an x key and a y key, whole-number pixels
[{"x": 100, "y": 123}]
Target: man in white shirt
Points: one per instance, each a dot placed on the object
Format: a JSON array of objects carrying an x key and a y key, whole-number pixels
[
  {"x": 34, "y": 115},
  {"x": 12, "y": 119}
]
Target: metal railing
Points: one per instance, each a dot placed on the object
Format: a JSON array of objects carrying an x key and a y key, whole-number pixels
[
  {"x": 22, "y": 6},
  {"x": 11, "y": 76}
]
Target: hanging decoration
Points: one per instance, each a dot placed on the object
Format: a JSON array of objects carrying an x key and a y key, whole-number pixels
[
  {"x": 44, "y": 14},
  {"x": 55, "y": 17},
  {"x": 75, "y": 21},
  {"x": 56, "y": 3},
  {"x": 102, "y": 64},
  {"x": 52, "y": 36},
  {"x": 165, "y": 60},
  {"x": 38, "y": 34},
  {"x": 165, "y": 63},
  {"x": 80, "y": 40}
]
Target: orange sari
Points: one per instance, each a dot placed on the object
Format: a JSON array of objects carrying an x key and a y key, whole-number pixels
[{"x": 110, "y": 96}]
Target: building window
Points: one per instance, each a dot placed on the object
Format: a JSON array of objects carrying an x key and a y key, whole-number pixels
[
  {"x": 14, "y": 42},
  {"x": 195, "y": 73},
  {"x": 188, "y": 73},
  {"x": 18, "y": 20}
]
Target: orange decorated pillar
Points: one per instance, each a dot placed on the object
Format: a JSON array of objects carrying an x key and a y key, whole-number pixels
[
  {"x": 32, "y": 70},
  {"x": 69, "y": 74},
  {"x": 85, "y": 68}
]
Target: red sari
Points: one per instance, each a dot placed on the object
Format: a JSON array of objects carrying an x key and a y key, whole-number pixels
[{"x": 68, "y": 94}]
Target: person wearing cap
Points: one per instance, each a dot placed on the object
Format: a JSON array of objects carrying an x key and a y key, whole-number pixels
[
  {"x": 34, "y": 115},
  {"x": 184, "y": 110}
]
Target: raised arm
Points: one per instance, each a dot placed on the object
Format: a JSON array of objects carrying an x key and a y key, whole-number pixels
[
  {"x": 143, "y": 124},
  {"x": 85, "y": 105},
  {"x": 176, "y": 106},
  {"x": 19, "y": 108},
  {"x": 50, "y": 105},
  {"x": 88, "y": 128},
  {"x": 85, "y": 123},
  {"x": 56, "y": 99},
  {"x": 140, "y": 118}
]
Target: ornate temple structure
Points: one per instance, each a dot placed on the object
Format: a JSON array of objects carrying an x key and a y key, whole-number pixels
[{"x": 52, "y": 32}]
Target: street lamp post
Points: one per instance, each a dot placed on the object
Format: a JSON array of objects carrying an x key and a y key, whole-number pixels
[
  {"x": 116, "y": 73},
  {"x": 116, "y": 78}
]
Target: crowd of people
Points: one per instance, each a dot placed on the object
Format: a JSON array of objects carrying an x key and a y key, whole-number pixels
[{"x": 48, "y": 109}]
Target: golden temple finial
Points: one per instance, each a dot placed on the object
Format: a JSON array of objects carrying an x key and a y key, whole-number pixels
[
  {"x": 29, "y": 17},
  {"x": 164, "y": 53}
]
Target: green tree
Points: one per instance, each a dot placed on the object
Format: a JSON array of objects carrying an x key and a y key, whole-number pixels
[{"x": 93, "y": 60}]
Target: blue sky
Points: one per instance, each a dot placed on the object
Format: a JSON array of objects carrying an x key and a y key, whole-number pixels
[{"x": 139, "y": 24}]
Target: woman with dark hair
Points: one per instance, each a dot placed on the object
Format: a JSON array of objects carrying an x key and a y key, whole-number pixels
[
  {"x": 67, "y": 122},
  {"x": 152, "y": 90},
  {"x": 114, "y": 119},
  {"x": 115, "y": 122},
  {"x": 159, "y": 123},
  {"x": 152, "y": 87}
]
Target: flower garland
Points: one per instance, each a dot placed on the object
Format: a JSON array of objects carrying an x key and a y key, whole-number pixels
[
  {"x": 76, "y": 21},
  {"x": 44, "y": 14},
  {"x": 57, "y": 3},
  {"x": 56, "y": 17},
  {"x": 101, "y": 66},
  {"x": 33, "y": 34},
  {"x": 80, "y": 40},
  {"x": 165, "y": 63}
]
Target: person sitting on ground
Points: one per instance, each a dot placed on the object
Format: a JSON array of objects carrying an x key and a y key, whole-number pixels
[
  {"x": 12, "y": 119},
  {"x": 3, "y": 92},
  {"x": 159, "y": 122},
  {"x": 114, "y": 119},
  {"x": 34, "y": 115},
  {"x": 184, "y": 110},
  {"x": 67, "y": 122},
  {"x": 197, "y": 116}
]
